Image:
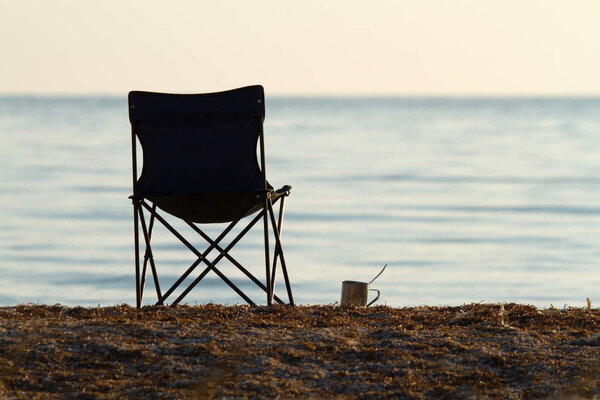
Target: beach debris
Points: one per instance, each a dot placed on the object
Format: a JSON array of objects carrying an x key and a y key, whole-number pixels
[
  {"x": 589, "y": 304},
  {"x": 502, "y": 313}
]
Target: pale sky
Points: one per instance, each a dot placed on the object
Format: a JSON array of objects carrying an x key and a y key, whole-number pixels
[{"x": 337, "y": 47}]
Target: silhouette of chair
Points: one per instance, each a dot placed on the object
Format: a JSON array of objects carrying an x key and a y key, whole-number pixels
[{"x": 200, "y": 165}]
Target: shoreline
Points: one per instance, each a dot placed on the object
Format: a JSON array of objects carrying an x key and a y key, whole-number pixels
[{"x": 212, "y": 351}]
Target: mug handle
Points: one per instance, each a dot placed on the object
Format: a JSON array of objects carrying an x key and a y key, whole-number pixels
[{"x": 378, "y": 294}]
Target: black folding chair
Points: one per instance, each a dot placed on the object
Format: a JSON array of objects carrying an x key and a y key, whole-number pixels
[{"x": 200, "y": 165}]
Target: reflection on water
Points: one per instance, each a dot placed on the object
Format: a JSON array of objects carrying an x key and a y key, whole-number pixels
[{"x": 465, "y": 199}]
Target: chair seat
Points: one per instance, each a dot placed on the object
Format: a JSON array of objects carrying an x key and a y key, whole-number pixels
[{"x": 213, "y": 208}]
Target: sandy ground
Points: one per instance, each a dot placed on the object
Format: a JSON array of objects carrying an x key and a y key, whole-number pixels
[{"x": 477, "y": 351}]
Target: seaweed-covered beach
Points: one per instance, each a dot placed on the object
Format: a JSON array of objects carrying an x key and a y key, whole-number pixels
[{"x": 508, "y": 351}]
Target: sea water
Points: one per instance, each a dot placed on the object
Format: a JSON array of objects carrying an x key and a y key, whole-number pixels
[{"x": 465, "y": 199}]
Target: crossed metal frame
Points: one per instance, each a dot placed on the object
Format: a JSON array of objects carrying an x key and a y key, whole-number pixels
[
  {"x": 267, "y": 197},
  {"x": 139, "y": 220}
]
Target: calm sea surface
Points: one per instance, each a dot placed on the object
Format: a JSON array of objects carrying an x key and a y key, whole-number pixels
[{"x": 465, "y": 199}]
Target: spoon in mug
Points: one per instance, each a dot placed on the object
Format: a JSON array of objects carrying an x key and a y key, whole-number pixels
[{"x": 380, "y": 272}]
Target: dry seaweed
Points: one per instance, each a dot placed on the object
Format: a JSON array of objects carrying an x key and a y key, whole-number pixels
[{"x": 508, "y": 351}]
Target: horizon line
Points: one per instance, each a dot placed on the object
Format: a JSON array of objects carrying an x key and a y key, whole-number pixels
[{"x": 332, "y": 95}]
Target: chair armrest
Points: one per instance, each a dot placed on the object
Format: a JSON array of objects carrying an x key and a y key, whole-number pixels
[{"x": 284, "y": 190}]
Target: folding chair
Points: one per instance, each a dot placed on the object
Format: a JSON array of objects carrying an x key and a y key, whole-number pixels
[{"x": 200, "y": 165}]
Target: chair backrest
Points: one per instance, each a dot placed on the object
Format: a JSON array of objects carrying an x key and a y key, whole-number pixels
[{"x": 198, "y": 143}]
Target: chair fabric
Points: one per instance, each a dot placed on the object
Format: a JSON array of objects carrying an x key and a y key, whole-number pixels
[
  {"x": 199, "y": 151},
  {"x": 200, "y": 157}
]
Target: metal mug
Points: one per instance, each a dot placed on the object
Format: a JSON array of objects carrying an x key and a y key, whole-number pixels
[{"x": 356, "y": 293}]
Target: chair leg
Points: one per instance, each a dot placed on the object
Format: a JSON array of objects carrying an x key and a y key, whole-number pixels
[
  {"x": 279, "y": 250},
  {"x": 148, "y": 256},
  {"x": 287, "y": 281},
  {"x": 266, "y": 208},
  {"x": 136, "y": 241},
  {"x": 276, "y": 232},
  {"x": 283, "y": 265}
]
